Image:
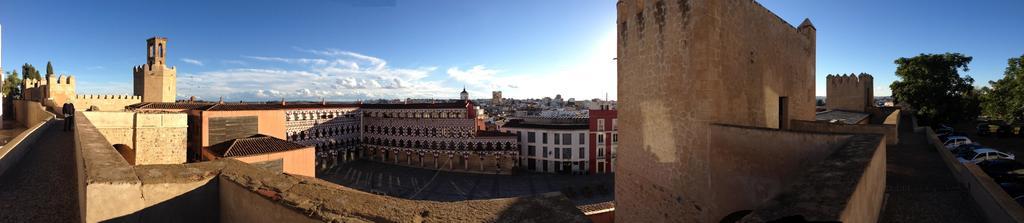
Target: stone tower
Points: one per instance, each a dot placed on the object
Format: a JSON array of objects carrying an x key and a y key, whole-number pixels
[
  {"x": 464, "y": 95},
  {"x": 154, "y": 81},
  {"x": 850, "y": 92}
]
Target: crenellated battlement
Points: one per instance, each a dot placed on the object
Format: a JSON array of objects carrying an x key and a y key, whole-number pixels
[
  {"x": 104, "y": 97},
  {"x": 146, "y": 67},
  {"x": 849, "y": 79}
]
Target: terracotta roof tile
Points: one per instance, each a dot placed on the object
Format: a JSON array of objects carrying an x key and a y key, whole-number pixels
[{"x": 253, "y": 145}]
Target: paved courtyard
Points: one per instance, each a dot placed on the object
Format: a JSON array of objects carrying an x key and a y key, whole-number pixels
[{"x": 423, "y": 184}]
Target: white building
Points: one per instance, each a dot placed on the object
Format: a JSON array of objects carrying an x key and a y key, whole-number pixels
[{"x": 552, "y": 145}]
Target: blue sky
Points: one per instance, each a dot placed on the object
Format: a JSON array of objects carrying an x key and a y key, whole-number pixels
[{"x": 307, "y": 49}]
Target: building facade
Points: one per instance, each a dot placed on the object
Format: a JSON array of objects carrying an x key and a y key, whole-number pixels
[
  {"x": 437, "y": 136},
  {"x": 604, "y": 140},
  {"x": 552, "y": 145}
]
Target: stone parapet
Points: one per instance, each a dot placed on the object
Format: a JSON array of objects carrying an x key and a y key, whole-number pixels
[{"x": 847, "y": 186}]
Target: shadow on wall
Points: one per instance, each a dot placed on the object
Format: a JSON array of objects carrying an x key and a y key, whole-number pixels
[{"x": 201, "y": 204}]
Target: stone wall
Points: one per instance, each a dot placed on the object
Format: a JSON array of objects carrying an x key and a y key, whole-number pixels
[
  {"x": 12, "y": 152},
  {"x": 849, "y": 92},
  {"x": 30, "y": 113},
  {"x": 104, "y": 102},
  {"x": 683, "y": 65},
  {"x": 847, "y": 186},
  {"x": 891, "y": 131},
  {"x": 231, "y": 191},
  {"x": 157, "y": 138},
  {"x": 748, "y": 166}
]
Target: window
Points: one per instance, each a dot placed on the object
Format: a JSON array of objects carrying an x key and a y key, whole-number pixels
[
  {"x": 582, "y": 138},
  {"x": 600, "y": 152},
  {"x": 615, "y": 138},
  {"x": 567, "y": 153},
  {"x": 600, "y": 138},
  {"x": 545, "y": 152},
  {"x": 557, "y": 141},
  {"x": 531, "y": 137},
  {"x": 531, "y": 150},
  {"x": 544, "y": 138},
  {"x": 567, "y": 138},
  {"x": 518, "y": 133},
  {"x": 581, "y": 153},
  {"x": 531, "y": 164},
  {"x": 558, "y": 153},
  {"x": 600, "y": 124},
  {"x": 544, "y": 165},
  {"x": 615, "y": 124}
]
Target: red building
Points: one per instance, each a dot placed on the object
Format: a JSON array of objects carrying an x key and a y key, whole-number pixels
[{"x": 604, "y": 140}]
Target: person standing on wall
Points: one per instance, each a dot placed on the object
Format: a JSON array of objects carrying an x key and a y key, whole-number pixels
[{"x": 69, "y": 116}]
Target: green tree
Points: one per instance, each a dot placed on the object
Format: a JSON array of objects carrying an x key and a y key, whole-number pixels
[
  {"x": 931, "y": 83},
  {"x": 11, "y": 85},
  {"x": 29, "y": 72},
  {"x": 49, "y": 67},
  {"x": 1005, "y": 98}
]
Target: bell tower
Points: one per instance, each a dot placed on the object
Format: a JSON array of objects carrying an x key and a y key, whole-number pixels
[{"x": 154, "y": 81}]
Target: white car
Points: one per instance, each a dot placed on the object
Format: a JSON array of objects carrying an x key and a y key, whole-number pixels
[
  {"x": 978, "y": 155},
  {"x": 954, "y": 141}
]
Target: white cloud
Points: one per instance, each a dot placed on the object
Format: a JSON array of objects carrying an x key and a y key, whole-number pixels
[
  {"x": 332, "y": 74},
  {"x": 192, "y": 61}
]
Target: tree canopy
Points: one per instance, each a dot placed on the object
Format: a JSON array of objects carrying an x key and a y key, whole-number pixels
[
  {"x": 11, "y": 85},
  {"x": 931, "y": 83},
  {"x": 1005, "y": 98},
  {"x": 29, "y": 72},
  {"x": 49, "y": 67}
]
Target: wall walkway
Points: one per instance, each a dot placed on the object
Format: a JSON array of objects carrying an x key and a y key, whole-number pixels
[
  {"x": 41, "y": 186},
  {"x": 919, "y": 186}
]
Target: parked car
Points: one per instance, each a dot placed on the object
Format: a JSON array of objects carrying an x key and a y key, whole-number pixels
[
  {"x": 978, "y": 155},
  {"x": 944, "y": 137},
  {"x": 966, "y": 148},
  {"x": 1003, "y": 171},
  {"x": 1015, "y": 190},
  {"x": 954, "y": 141}
]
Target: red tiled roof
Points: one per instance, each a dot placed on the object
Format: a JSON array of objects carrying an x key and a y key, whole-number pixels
[
  {"x": 252, "y": 145},
  {"x": 171, "y": 105}
]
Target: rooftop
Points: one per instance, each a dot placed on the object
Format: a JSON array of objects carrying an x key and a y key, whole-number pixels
[
  {"x": 519, "y": 123},
  {"x": 417, "y": 105},
  {"x": 844, "y": 117},
  {"x": 253, "y": 145}
]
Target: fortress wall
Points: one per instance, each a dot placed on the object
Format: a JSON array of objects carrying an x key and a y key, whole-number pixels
[
  {"x": 772, "y": 160},
  {"x": 105, "y": 102},
  {"x": 29, "y": 113},
  {"x": 157, "y": 138}
]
